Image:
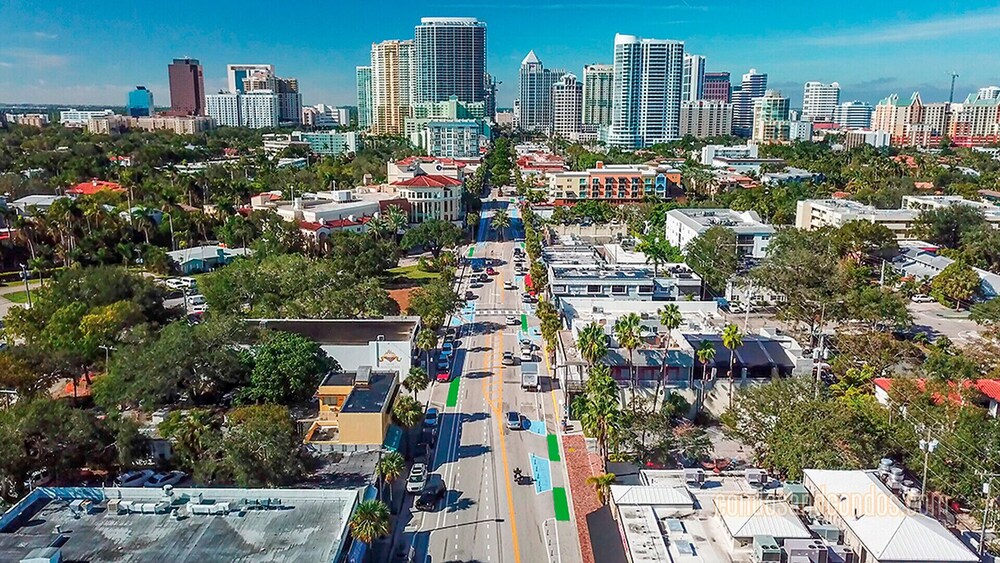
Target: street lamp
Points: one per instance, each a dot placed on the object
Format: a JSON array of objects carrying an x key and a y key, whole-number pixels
[
  {"x": 927, "y": 446},
  {"x": 107, "y": 354},
  {"x": 27, "y": 288}
]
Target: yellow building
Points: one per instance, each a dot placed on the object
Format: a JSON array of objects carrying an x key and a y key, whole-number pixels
[{"x": 354, "y": 408}]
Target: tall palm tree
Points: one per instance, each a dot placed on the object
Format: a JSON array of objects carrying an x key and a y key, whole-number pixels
[
  {"x": 598, "y": 407},
  {"x": 671, "y": 319},
  {"x": 592, "y": 343},
  {"x": 500, "y": 221},
  {"x": 732, "y": 339},
  {"x": 628, "y": 333},
  {"x": 370, "y": 521},
  {"x": 416, "y": 380},
  {"x": 396, "y": 220},
  {"x": 602, "y": 485},
  {"x": 705, "y": 353},
  {"x": 426, "y": 341},
  {"x": 388, "y": 468},
  {"x": 377, "y": 227}
]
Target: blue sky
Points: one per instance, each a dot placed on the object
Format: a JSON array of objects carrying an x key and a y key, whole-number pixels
[{"x": 60, "y": 51}]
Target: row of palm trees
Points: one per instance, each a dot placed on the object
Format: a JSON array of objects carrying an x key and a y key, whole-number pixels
[{"x": 599, "y": 404}]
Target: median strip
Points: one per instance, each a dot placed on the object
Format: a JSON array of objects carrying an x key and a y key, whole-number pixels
[
  {"x": 561, "y": 504},
  {"x": 524, "y": 322},
  {"x": 453, "y": 392},
  {"x": 553, "y": 442}
]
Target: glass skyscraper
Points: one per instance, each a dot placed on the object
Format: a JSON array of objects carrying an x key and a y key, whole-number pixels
[
  {"x": 364, "y": 86},
  {"x": 140, "y": 102},
  {"x": 450, "y": 59},
  {"x": 646, "y": 103}
]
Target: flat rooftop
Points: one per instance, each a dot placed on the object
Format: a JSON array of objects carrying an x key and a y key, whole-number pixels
[
  {"x": 347, "y": 332},
  {"x": 371, "y": 399},
  {"x": 309, "y": 526},
  {"x": 741, "y": 222}
]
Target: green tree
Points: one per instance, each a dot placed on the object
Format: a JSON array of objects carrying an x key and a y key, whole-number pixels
[
  {"x": 987, "y": 312},
  {"x": 261, "y": 446},
  {"x": 370, "y": 521},
  {"x": 416, "y": 381},
  {"x": 671, "y": 319},
  {"x": 598, "y": 407},
  {"x": 658, "y": 250},
  {"x": 388, "y": 468},
  {"x": 433, "y": 235},
  {"x": 287, "y": 368},
  {"x": 592, "y": 343},
  {"x": 548, "y": 316},
  {"x": 946, "y": 226},
  {"x": 712, "y": 255},
  {"x": 426, "y": 341},
  {"x": 434, "y": 302},
  {"x": 861, "y": 240},
  {"x": 500, "y": 221},
  {"x": 957, "y": 283},
  {"x": 407, "y": 411},
  {"x": 732, "y": 339},
  {"x": 602, "y": 485},
  {"x": 628, "y": 333},
  {"x": 692, "y": 442}
]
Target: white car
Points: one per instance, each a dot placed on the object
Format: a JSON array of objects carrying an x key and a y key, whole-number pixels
[
  {"x": 417, "y": 479},
  {"x": 921, "y": 298},
  {"x": 161, "y": 479},
  {"x": 134, "y": 478},
  {"x": 196, "y": 300},
  {"x": 512, "y": 320}
]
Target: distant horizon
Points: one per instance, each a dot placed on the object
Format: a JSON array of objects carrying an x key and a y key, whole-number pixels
[{"x": 62, "y": 56}]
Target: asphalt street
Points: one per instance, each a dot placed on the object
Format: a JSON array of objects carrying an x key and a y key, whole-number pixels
[{"x": 487, "y": 516}]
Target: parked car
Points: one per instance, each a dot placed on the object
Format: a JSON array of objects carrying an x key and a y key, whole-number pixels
[
  {"x": 528, "y": 298},
  {"x": 40, "y": 478},
  {"x": 514, "y": 421},
  {"x": 443, "y": 375},
  {"x": 196, "y": 300},
  {"x": 526, "y": 355},
  {"x": 433, "y": 491},
  {"x": 417, "y": 479},
  {"x": 512, "y": 320},
  {"x": 447, "y": 348},
  {"x": 921, "y": 298},
  {"x": 443, "y": 362},
  {"x": 431, "y": 417},
  {"x": 508, "y": 359},
  {"x": 133, "y": 478},
  {"x": 161, "y": 479}
]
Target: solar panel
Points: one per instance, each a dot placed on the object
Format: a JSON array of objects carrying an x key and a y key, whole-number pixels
[{"x": 685, "y": 547}]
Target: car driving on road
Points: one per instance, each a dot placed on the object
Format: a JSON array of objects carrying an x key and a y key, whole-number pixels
[
  {"x": 513, "y": 421},
  {"x": 417, "y": 479},
  {"x": 432, "y": 492},
  {"x": 512, "y": 320},
  {"x": 508, "y": 359}
]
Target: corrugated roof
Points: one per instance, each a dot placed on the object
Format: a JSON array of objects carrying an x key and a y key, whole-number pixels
[
  {"x": 746, "y": 516},
  {"x": 889, "y": 530},
  {"x": 651, "y": 496}
]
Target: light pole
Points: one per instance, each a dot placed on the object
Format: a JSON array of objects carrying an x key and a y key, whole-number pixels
[
  {"x": 107, "y": 354},
  {"x": 986, "y": 511},
  {"x": 927, "y": 446},
  {"x": 27, "y": 288}
]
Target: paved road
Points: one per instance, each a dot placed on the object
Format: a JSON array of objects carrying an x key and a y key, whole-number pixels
[{"x": 486, "y": 516}]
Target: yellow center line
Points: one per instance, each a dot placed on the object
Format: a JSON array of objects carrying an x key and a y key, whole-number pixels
[{"x": 503, "y": 448}]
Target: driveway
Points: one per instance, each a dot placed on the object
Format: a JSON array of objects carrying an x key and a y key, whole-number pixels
[{"x": 936, "y": 320}]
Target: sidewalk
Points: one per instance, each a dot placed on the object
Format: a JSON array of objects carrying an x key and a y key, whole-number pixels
[{"x": 580, "y": 464}]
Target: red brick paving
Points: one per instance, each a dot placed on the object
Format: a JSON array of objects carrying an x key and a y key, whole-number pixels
[{"x": 580, "y": 465}]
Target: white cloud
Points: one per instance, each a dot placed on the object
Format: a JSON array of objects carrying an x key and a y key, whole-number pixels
[
  {"x": 44, "y": 35},
  {"x": 947, "y": 26},
  {"x": 34, "y": 59}
]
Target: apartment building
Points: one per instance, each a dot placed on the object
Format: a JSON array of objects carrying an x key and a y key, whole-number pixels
[
  {"x": 615, "y": 183},
  {"x": 817, "y": 213},
  {"x": 752, "y": 234},
  {"x": 706, "y": 118}
]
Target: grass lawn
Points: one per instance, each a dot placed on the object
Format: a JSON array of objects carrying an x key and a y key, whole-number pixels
[
  {"x": 17, "y": 297},
  {"x": 413, "y": 274}
]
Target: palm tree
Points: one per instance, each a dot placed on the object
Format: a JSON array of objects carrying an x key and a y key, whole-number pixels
[
  {"x": 370, "y": 521},
  {"x": 472, "y": 221},
  {"x": 598, "y": 407},
  {"x": 396, "y": 220},
  {"x": 671, "y": 319},
  {"x": 388, "y": 468},
  {"x": 426, "y": 341},
  {"x": 416, "y": 380},
  {"x": 377, "y": 227},
  {"x": 602, "y": 485},
  {"x": 592, "y": 343},
  {"x": 705, "y": 353},
  {"x": 628, "y": 333},
  {"x": 407, "y": 411},
  {"x": 732, "y": 339},
  {"x": 500, "y": 221}
]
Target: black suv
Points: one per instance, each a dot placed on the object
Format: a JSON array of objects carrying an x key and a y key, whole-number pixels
[{"x": 432, "y": 492}]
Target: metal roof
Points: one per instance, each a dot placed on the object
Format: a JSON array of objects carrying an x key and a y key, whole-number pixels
[
  {"x": 651, "y": 496},
  {"x": 889, "y": 530},
  {"x": 748, "y": 516}
]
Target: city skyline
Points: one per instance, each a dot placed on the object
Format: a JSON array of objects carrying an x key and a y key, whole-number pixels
[{"x": 55, "y": 56}]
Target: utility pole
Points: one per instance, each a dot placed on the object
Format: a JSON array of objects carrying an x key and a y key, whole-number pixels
[
  {"x": 986, "y": 510},
  {"x": 951, "y": 97},
  {"x": 927, "y": 446}
]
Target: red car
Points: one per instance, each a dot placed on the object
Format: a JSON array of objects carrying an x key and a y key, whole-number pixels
[
  {"x": 491, "y": 271},
  {"x": 444, "y": 376}
]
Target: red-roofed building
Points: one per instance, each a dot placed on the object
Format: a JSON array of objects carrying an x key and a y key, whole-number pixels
[
  {"x": 94, "y": 186},
  {"x": 989, "y": 388},
  {"x": 418, "y": 165},
  {"x": 432, "y": 196}
]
